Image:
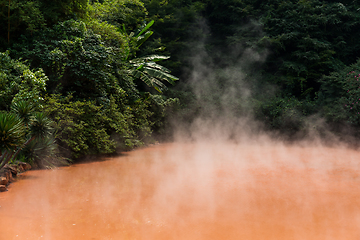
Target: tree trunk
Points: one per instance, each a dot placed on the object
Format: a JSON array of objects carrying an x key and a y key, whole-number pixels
[
  {"x": 9, "y": 23},
  {"x": 6, "y": 159},
  {"x": 19, "y": 149},
  {"x": 3, "y": 156}
]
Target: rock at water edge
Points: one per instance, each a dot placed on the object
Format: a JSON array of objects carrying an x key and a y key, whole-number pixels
[{"x": 3, "y": 188}]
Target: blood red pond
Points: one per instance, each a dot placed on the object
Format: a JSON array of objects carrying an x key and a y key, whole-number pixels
[{"x": 192, "y": 191}]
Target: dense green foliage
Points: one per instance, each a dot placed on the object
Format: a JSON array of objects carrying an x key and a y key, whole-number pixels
[
  {"x": 18, "y": 82},
  {"x": 341, "y": 95},
  {"x": 291, "y": 54},
  {"x": 21, "y": 127},
  {"x": 100, "y": 70},
  {"x": 75, "y": 60},
  {"x": 78, "y": 65},
  {"x": 316, "y": 38}
]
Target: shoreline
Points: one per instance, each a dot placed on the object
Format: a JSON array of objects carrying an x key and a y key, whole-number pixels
[{"x": 10, "y": 172}]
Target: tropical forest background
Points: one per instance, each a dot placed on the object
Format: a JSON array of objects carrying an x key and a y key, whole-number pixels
[{"x": 85, "y": 77}]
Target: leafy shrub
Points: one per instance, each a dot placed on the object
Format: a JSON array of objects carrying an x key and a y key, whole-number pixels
[
  {"x": 85, "y": 128},
  {"x": 340, "y": 95},
  {"x": 79, "y": 126},
  {"x": 75, "y": 59},
  {"x": 287, "y": 114},
  {"x": 19, "y": 82},
  {"x": 43, "y": 153}
]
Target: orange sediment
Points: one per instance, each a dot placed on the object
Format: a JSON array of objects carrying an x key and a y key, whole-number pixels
[{"x": 192, "y": 191}]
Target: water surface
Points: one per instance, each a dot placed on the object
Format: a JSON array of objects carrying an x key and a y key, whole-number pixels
[{"x": 192, "y": 191}]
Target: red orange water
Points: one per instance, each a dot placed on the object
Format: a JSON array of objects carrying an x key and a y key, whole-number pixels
[{"x": 192, "y": 191}]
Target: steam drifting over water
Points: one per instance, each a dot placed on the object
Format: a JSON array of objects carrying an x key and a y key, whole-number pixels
[
  {"x": 223, "y": 84},
  {"x": 203, "y": 190},
  {"x": 229, "y": 92}
]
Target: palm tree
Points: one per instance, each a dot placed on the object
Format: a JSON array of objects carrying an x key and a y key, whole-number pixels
[
  {"x": 151, "y": 73},
  {"x": 146, "y": 68},
  {"x": 23, "y": 110},
  {"x": 12, "y": 133},
  {"x": 16, "y": 132}
]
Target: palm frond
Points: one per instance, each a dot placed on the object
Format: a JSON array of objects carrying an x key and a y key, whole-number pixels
[
  {"x": 150, "y": 58},
  {"x": 157, "y": 66},
  {"x": 146, "y": 79},
  {"x": 40, "y": 126},
  {"x": 151, "y": 73},
  {"x": 141, "y": 39},
  {"x": 152, "y": 82},
  {"x": 144, "y": 28},
  {"x": 160, "y": 75},
  {"x": 12, "y": 131},
  {"x": 23, "y": 110}
]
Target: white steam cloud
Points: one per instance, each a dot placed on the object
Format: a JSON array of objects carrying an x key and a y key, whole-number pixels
[{"x": 223, "y": 89}]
